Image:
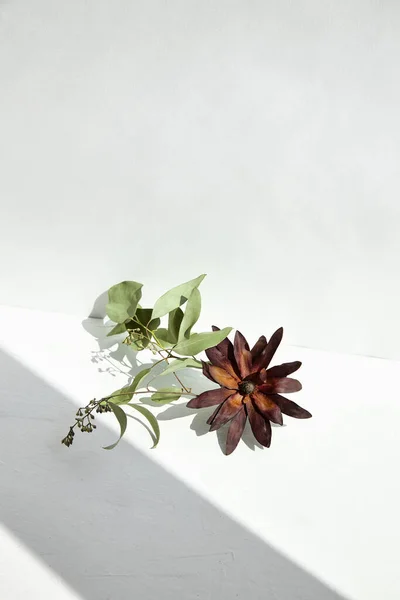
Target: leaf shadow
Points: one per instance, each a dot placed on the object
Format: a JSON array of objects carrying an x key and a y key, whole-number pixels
[
  {"x": 199, "y": 423},
  {"x": 121, "y": 354},
  {"x": 99, "y": 306},
  {"x": 111, "y": 349},
  {"x": 249, "y": 439},
  {"x": 192, "y": 378}
]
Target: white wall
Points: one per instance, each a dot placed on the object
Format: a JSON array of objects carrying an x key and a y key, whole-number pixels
[{"x": 259, "y": 137}]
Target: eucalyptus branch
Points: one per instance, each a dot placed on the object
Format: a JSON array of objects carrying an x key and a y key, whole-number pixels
[
  {"x": 84, "y": 415},
  {"x": 150, "y": 331},
  {"x": 254, "y": 387},
  {"x": 175, "y": 342}
]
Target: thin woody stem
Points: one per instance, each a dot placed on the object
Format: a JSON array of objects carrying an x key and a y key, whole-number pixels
[
  {"x": 187, "y": 390},
  {"x": 111, "y": 396},
  {"x": 175, "y": 375},
  {"x": 149, "y": 331},
  {"x": 94, "y": 404}
]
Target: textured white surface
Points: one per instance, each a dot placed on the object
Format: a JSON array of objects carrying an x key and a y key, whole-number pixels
[
  {"x": 261, "y": 137},
  {"x": 25, "y": 575},
  {"x": 320, "y": 508}
]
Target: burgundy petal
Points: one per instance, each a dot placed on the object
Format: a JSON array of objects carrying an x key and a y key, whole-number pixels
[
  {"x": 206, "y": 371},
  {"x": 290, "y": 408},
  {"x": 227, "y": 411},
  {"x": 235, "y": 431},
  {"x": 242, "y": 355},
  {"x": 263, "y": 360},
  {"x": 284, "y": 370},
  {"x": 261, "y": 427},
  {"x": 226, "y": 349},
  {"x": 262, "y": 375},
  {"x": 267, "y": 408},
  {"x": 214, "y": 414},
  {"x": 219, "y": 360},
  {"x": 223, "y": 378},
  {"x": 225, "y": 345},
  {"x": 276, "y": 385},
  {"x": 210, "y": 398},
  {"x": 259, "y": 346}
]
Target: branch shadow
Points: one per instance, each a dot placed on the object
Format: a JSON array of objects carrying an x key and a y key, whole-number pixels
[
  {"x": 123, "y": 354},
  {"x": 191, "y": 377},
  {"x": 116, "y": 525}
]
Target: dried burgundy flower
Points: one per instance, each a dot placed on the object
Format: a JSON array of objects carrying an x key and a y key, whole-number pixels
[{"x": 249, "y": 389}]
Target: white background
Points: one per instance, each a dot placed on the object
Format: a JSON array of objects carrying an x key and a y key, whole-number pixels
[{"x": 257, "y": 141}]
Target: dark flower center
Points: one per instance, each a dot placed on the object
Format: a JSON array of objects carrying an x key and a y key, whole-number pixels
[{"x": 246, "y": 387}]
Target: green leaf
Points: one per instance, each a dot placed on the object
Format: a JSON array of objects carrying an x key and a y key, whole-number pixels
[
  {"x": 143, "y": 321},
  {"x": 122, "y": 420},
  {"x": 153, "y": 324},
  {"x": 192, "y": 314},
  {"x": 175, "y": 297},
  {"x": 162, "y": 336},
  {"x": 138, "y": 378},
  {"x": 166, "y": 395},
  {"x": 201, "y": 341},
  {"x": 143, "y": 315},
  {"x": 174, "y": 322},
  {"x": 151, "y": 419},
  {"x": 119, "y": 328},
  {"x": 126, "y": 393},
  {"x": 181, "y": 363},
  {"x": 123, "y": 300}
]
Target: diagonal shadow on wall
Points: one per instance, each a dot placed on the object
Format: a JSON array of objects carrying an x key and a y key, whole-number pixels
[{"x": 115, "y": 525}]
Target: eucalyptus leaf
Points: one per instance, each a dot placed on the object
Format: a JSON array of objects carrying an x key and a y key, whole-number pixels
[
  {"x": 126, "y": 393},
  {"x": 153, "y": 324},
  {"x": 145, "y": 425},
  {"x": 151, "y": 419},
  {"x": 119, "y": 328},
  {"x": 122, "y": 420},
  {"x": 201, "y": 341},
  {"x": 175, "y": 318},
  {"x": 191, "y": 316},
  {"x": 166, "y": 395},
  {"x": 138, "y": 378},
  {"x": 130, "y": 325},
  {"x": 123, "y": 299},
  {"x": 143, "y": 321},
  {"x": 181, "y": 363},
  {"x": 162, "y": 336},
  {"x": 175, "y": 297},
  {"x": 144, "y": 316}
]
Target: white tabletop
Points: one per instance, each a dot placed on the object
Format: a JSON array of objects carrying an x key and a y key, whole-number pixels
[{"x": 316, "y": 512}]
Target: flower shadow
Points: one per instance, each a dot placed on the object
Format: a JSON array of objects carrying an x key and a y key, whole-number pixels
[
  {"x": 192, "y": 378},
  {"x": 249, "y": 439},
  {"x": 199, "y": 423}
]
